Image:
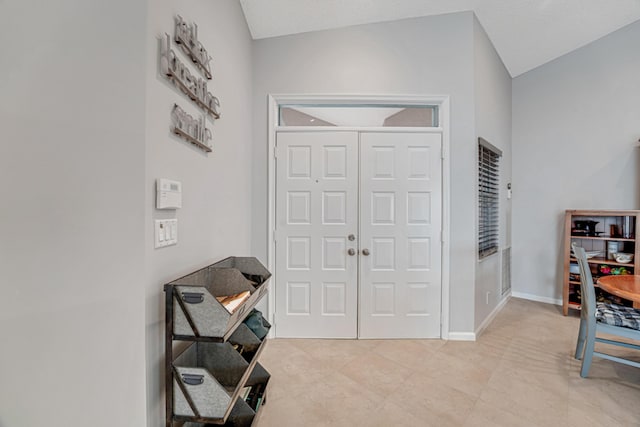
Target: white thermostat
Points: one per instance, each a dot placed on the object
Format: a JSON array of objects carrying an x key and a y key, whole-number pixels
[{"x": 168, "y": 194}]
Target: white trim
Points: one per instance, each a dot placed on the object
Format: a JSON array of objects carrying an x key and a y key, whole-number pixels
[
  {"x": 376, "y": 129},
  {"x": 487, "y": 321},
  {"x": 442, "y": 101},
  {"x": 537, "y": 298},
  {"x": 462, "y": 336},
  {"x": 271, "y": 217},
  {"x": 444, "y": 120},
  {"x": 370, "y": 99}
]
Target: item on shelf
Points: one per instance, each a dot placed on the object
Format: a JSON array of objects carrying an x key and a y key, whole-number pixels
[
  {"x": 592, "y": 254},
  {"x": 619, "y": 271},
  {"x": 626, "y": 228},
  {"x": 256, "y": 323},
  {"x": 612, "y": 249},
  {"x": 232, "y": 302},
  {"x": 623, "y": 258},
  {"x": 586, "y": 227},
  {"x": 605, "y": 269},
  {"x": 245, "y": 392},
  {"x": 614, "y": 231}
]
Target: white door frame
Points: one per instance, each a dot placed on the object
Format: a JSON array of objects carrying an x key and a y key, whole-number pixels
[{"x": 442, "y": 101}]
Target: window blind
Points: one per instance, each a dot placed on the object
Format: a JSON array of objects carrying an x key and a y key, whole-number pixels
[{"x": 488, "y": 198}]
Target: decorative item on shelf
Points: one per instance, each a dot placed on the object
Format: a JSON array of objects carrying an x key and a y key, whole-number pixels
[
  {"x": 619, "y": 271},
  {"x": 592, "y": 254},
  {"x": 612, "y": 250},
  {"x": 194, "y": 131},
  {"x": 194, "y": 87},
  {"x": 232, "y": 302},
  {"x": 614, "y": 231},
  {"x": 605, "y": 269},
  {"x": 623, "y": 258},
  {"x": 187, "y": 37},
  {"x": 626, "y": 228},
  {"x": 585, "y": 228}
]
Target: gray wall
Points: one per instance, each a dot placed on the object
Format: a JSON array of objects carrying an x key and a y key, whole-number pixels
[
  {"x": 85, "y": 121},
  {"x": 431, "y": 56},
  {"x": 72, "y": 213},
  {"x": 215, "y": 220},
  {"x": 575, "y": 146},
  {"x": 492, "y": 88}
]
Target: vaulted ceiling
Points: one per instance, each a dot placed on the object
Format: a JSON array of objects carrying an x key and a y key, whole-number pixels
[{"x": 526, "y": 33}]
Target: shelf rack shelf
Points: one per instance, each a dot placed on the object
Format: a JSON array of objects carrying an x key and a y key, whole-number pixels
[
  {"x": 205, "y": 380},
  {"x": 625, "y": 222}
]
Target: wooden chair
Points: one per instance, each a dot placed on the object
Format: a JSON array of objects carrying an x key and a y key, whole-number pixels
[{"x": 593, "y": 318}]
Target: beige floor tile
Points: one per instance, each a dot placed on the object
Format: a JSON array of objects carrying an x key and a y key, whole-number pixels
[
  {"x": 408, "y": 353},
  {"x": 434, "y": 402},
  {"x": 296, "y": 411},
  {"x": 590, "y": 406},
  {"x": 578, "y": 417},
  {"x": 377, "y": 372},
  {"x": 482, "y": 354},
  {"x": 389, "y": 414},
  {"x": 520, "y": 372},
  {"x": 486, "y": 415},
  {"x": 460, "y": 374},
  {"x": 532, "y": 404},
  {"x": 335, "y": 353}
]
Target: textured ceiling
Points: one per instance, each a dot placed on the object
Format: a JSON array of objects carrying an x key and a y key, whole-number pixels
[{"x": 526, "y": 33}]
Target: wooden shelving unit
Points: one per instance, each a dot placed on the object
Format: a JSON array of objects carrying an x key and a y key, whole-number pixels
[{"x": 597, "y": 238}]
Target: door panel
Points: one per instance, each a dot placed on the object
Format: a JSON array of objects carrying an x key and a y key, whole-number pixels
[
  {"x": 316, "y": 211},
  {"x": 394, "y": 179},
  {"x": 400, "y": 223}
]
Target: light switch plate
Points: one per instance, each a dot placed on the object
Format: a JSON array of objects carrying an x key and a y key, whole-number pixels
[{"x": 166, "y": 232}]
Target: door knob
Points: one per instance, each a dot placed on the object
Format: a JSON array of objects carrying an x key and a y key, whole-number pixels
[
  {"x": 351, "y": 251},
  {"x": 365, "y": 252},
  {"x": 351, "y": 237}
]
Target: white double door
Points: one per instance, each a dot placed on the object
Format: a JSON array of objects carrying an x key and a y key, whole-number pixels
[{"x": 358, "y": 234}]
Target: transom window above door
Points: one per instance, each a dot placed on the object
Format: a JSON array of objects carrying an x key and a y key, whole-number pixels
[{"x": 358, "y": 115}]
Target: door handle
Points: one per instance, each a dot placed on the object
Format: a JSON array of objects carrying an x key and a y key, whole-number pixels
[
  {"x": 351, "y": 251},
  {"x": 365, "y": 252},
  {"x": 351, "y": 237}
]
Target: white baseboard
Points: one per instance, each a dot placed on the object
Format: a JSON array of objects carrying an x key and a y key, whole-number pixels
[
  {"x": 487, "y": 321},
  {"x": 536, "y": 298},
  {"x": 462, "y": 336}
]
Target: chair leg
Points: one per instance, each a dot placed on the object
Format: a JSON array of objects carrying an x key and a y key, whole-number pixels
[
  {"x": 582, "y": 334},
  {"x": 588, "y": 351}
]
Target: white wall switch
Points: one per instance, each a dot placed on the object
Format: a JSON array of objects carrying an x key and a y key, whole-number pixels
[{"x": 166, "y": 232}]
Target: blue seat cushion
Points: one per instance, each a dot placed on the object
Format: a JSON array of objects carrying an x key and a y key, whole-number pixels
[{"x": 618, "y": 315}]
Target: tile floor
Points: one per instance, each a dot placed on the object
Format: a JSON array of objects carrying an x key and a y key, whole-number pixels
[{"x": 520, "y": 372}]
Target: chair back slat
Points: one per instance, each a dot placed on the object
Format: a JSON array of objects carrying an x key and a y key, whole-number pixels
[{"x": 588, "y": 302}]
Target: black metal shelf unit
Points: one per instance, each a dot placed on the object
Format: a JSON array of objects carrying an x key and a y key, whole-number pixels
[{"x": 204, "y": 381}]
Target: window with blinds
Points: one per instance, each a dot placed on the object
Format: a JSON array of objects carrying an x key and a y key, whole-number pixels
[{"x": 488, "y": 198}]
